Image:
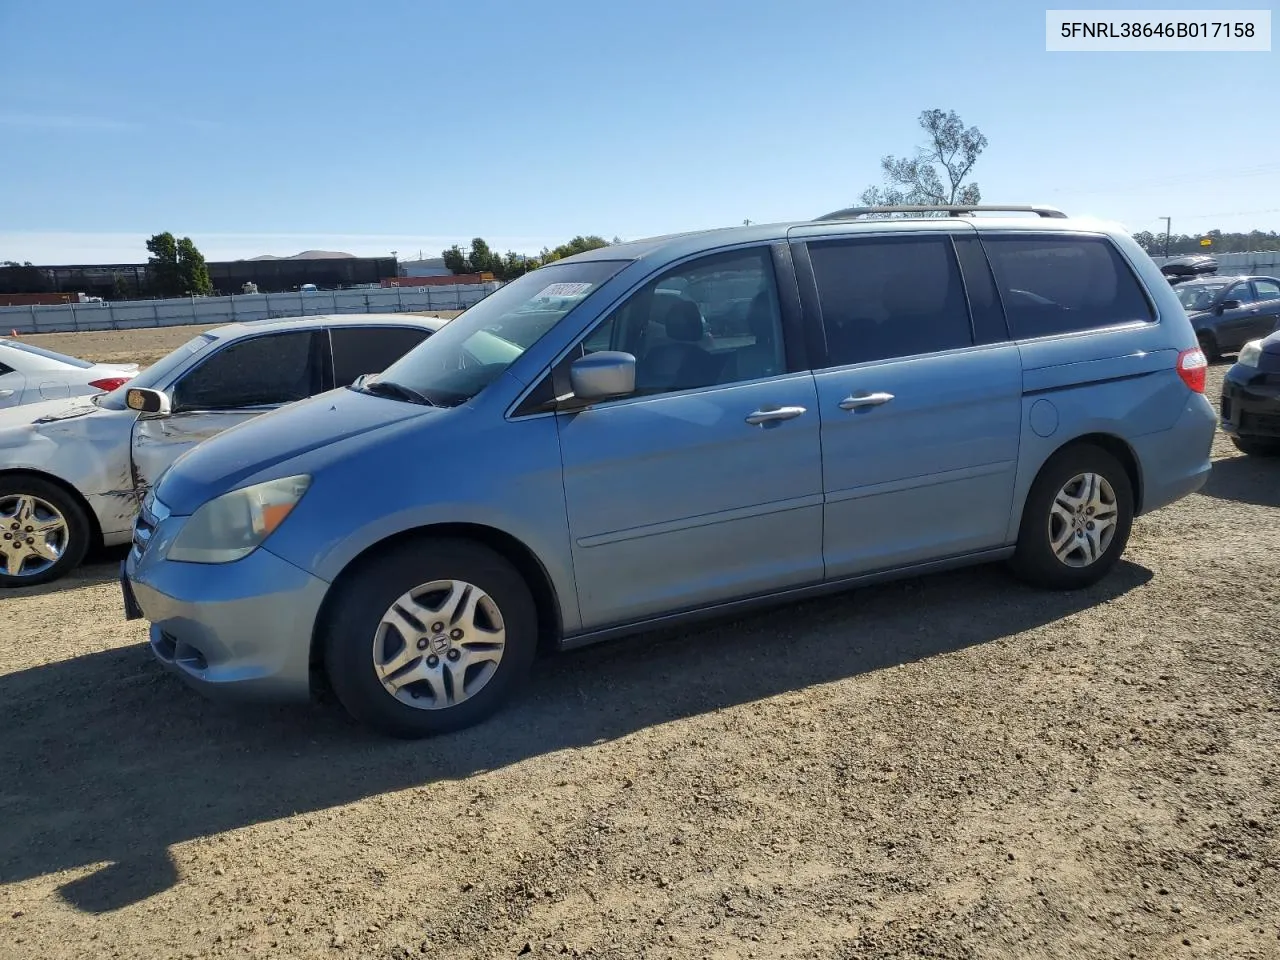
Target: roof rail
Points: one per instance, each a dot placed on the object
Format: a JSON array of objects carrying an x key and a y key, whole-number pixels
[{"x": 955, "y": 210}]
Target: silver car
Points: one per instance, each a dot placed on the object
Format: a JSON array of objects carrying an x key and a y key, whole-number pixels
[{"x": 72, "y": 470}]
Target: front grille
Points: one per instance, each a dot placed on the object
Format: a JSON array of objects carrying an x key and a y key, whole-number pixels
[
  {"x": 150, "y": 515},
  {"x": 143, "y": 528},
  {"x": 1270, "y": 422}
]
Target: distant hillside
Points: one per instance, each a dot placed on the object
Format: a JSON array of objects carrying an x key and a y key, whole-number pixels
[{"x": 309, "y": 255}]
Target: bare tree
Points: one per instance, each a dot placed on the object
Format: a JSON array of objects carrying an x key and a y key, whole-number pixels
[{"x": 951, "y": 149}]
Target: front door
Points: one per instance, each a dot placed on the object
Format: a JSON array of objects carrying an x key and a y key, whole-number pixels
[
  {"x": 242, "y": 380},
  {"x": 706, "y": 485},
  {"x": 1238, "y": 324},
  {"x": 920, "y": 417},
  {"x": 1266, "y": 306}
]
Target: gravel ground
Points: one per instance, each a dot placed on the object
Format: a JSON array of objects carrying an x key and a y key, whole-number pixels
[{"x": 951, "y": 767}]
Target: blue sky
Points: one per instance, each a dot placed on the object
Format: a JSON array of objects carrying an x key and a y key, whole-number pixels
[{"x": 272, "y": 127}]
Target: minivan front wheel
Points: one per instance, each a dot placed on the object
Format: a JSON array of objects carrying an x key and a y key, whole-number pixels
[
  {"x": 1076, "y": 520},
  {"x": 433, "y": 637}
]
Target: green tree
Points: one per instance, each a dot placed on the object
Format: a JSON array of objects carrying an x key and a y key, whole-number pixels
[
  {"x": 1254, "y": 241},
  {"x": 937, "y": 171},
  {"x": 163, "y": 278},
  {"x": 455, "y": 260},
  {"x": 193, "y": 271},
  {"x": 481, "y": 257},
  {"x": 176, "y": 268}
]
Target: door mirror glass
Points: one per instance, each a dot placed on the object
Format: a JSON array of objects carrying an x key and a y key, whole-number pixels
[
  {"x": 602, "y": 375},
  {"x": 1229, "y": 304},
  {"x": 148, "y": 401}
]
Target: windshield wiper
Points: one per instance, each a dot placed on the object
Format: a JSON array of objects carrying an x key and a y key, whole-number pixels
[{"x": 390, "y": 388}]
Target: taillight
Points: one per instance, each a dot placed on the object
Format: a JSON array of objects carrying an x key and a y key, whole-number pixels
[
  {"x": 107, "y": 384},
  {"x": 1191, "y": 368}
]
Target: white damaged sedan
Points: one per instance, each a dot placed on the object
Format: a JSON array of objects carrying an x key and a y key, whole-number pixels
[
  {"x": 29, "y": 374},
  {"x": 73, "y": 470}
]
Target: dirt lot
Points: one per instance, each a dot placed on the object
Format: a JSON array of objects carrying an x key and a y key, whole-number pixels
[
  {"x": 951, "y": 767},
  {"x": 144, "y": 346}
]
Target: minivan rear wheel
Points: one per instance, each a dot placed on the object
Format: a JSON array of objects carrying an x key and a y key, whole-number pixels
[
  {"x": 1076, "y": 520},
  {"x": 432, "y": 637}
]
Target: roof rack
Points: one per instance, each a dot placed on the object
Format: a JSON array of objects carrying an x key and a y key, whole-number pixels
[{"x": 955, "y": 210}]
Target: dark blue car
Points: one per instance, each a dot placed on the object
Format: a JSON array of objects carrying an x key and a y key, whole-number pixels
[
  {"x": 1251, "y": 398},
  {"x": 1228, "y": 312}
]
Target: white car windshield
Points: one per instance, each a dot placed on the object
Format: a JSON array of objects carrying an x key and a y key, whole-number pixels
[
  {"x": 158, "y": 372},
  {"x": 471, "y": 351}
]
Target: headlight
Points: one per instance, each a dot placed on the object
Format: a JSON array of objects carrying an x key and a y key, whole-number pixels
[
  {"x": 1250, "y": 353},
  {"x": 235, "y": 524}
]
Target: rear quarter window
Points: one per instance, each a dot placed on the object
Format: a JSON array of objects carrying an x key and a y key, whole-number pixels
[{"x": 1064, "y": 284}]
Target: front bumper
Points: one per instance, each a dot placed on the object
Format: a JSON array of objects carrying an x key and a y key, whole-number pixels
[
  {"x": 237, "y": 630},
  {"x": 1250, "y": 405}
]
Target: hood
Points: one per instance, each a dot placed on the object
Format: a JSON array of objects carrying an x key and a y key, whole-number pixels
[
  {"x": 47, "y": 411},
  {"x": 225, "y": 461}
]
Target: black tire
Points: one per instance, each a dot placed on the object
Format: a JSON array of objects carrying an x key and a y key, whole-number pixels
[
  {"x": 1255, "y": 447},
  {"x": 79, "y": 537},
  {"x": 1209, "y": 346},
  {"x": 1034, "y": 559},
  {"x": 357, "y": 611}
]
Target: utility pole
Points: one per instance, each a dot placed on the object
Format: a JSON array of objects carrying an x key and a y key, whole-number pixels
[{"x": 1168, "y": 228}]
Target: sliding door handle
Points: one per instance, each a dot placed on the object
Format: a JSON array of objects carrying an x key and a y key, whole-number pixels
[
  {"x": 761, "y": 417},
  {"x": 865, "y": 400}
]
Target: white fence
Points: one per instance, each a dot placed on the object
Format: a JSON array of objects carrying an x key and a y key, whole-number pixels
[{"x": 130, "y": 314}]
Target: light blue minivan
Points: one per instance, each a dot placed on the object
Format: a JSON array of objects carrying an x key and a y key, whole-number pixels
[{"x": 675, "y": 428}]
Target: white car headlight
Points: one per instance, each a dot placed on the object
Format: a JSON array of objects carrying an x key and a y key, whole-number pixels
[
  {"x": 235, "y": 524},
  {"x": 1250, "y": 354}
]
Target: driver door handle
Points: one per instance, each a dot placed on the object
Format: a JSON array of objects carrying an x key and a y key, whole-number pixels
[
  {"x": 865, "y": 400},
  {"x": 761, "y": 417},
  {"x": 5, "y": 394}
]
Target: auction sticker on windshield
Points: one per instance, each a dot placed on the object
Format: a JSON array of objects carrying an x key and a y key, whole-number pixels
[{"x": 563, "y": 290}]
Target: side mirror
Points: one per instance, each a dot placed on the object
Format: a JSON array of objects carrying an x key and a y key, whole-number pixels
[
  {"x": 148, "y": 401},
  {"x": 1228, "y": 305},
  {"x": 599, "y": 376}
]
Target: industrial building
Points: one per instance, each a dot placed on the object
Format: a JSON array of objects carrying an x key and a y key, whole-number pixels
[{"x": 127, "y": 281}]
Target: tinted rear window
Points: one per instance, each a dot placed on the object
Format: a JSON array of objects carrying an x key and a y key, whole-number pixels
[
  {"x": 361, "y": 350},
  {"x": 1062, "y": 284},
  {"x": 889, "y": 297}
]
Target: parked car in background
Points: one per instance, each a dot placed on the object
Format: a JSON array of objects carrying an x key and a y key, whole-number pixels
[
  {"x": 1228, "y": 312},
  {"x": 1251, "y": 398},
  {"x": 72, "y": 471},
  {"x": 908, "y": 395},
  {"x": 1182, "y": 269},
  {"x": 29, "y": 374}
]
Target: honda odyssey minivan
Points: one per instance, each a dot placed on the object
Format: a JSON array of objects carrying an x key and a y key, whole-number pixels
[{"x": 674, "y": 428}]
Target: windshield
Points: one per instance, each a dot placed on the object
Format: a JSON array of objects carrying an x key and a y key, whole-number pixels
[
  {"x": 471, "y": 351},
  {"x": 47, "y": 354},
  {"x": 158, "y": 372},
  {"x": 1199, "y": 296}
]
